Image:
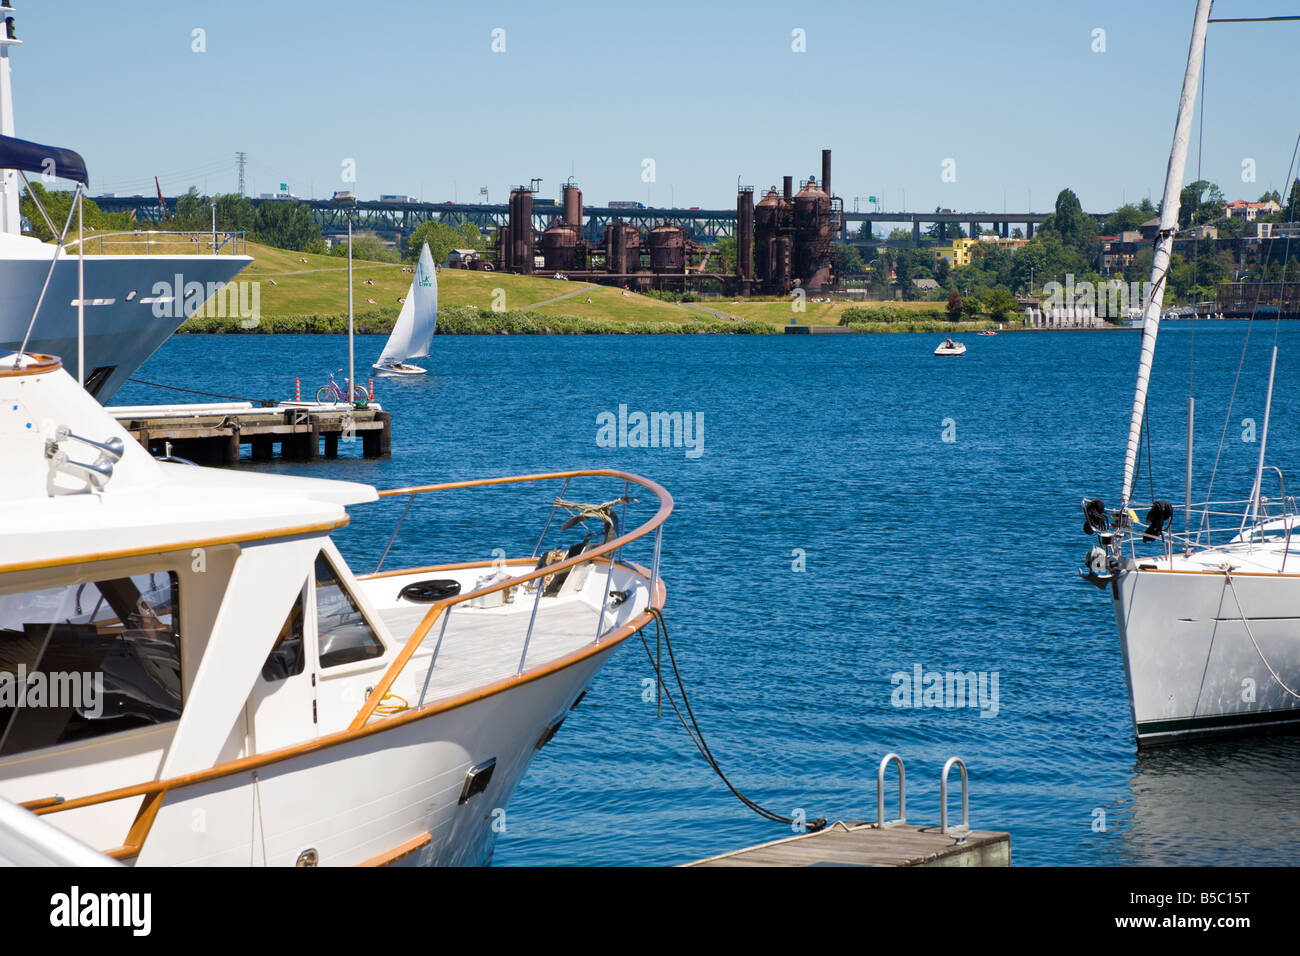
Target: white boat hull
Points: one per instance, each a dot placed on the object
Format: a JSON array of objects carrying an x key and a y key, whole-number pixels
[
  {"x": 958, "y": 350},
  {"x": 399, "y": 369},
  {"x": 1193, "y": 669},
  {"x": 357, "y": 802}
]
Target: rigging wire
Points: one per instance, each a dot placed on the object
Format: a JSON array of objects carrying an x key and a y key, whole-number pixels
[
  {"x": 1250, "y": 324},
  {"x": 696, "y": 734},
  {"x": 264, "y": 402}
]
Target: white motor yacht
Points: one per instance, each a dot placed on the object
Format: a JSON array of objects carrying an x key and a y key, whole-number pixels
[{"x": 192, "y": 674}]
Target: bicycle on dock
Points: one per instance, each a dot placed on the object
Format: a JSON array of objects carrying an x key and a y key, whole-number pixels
[{"x": 332, "y": 393}]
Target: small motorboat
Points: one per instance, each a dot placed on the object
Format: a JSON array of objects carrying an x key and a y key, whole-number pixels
[{"x": 949, "y": 347}]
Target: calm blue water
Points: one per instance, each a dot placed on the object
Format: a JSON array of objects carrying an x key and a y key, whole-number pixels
[{"x": 953, "y": 555}]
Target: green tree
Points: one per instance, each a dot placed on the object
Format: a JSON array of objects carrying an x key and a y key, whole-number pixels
[
  {"x": 1199, "y": 203},
  {"x": 287, "y": 224},
  {"x": 725, "y": 250},
  {"x": 903, "y": 273},
  {"x": 1000, "y": 302},
  {"x": 441, "y": 237},
  {"x": 847, "y": 258},
  {"x": 58, "y": 204},
  {"x": 1126, "y": 218},
  {"x": 367, "y": 245},
  {"x": 1071, "y": 225},
  {"x": 1292, "y": 211}
]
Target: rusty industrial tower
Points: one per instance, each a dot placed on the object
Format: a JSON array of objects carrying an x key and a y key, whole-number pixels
[{"x": 783, "y": 242}]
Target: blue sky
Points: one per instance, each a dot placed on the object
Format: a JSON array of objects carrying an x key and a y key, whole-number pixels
[{"x": 414, "y": 94}]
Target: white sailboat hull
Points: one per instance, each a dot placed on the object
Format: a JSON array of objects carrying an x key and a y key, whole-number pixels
[
  {"x": 403, "y": 369},
  {"x": 1192, "y": 667}
]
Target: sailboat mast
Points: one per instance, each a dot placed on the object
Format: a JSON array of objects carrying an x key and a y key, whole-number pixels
[
  {"x": 1165, "y": 242},
  {"x": 10, "y": 216}
]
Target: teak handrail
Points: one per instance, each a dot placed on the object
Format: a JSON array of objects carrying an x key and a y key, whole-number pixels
[{"x": 437, "y": 609}]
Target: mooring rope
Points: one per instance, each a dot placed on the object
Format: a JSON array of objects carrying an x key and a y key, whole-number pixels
[
  {"x": 697, "y": 735},
  {"x": 1231, "y": 587},
  {"x": 264, "y": 402}
]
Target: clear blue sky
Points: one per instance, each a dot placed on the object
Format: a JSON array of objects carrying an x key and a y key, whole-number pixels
[{"x": 1012, "y": 91}]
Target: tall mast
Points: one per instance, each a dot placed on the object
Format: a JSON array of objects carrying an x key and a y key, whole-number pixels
[
  {"x": 1165, "y": 243},
  {"x": 10, "y": 217}
]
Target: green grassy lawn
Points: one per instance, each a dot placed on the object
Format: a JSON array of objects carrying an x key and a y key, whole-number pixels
[
  {"x": 303, "y": 284},
  {"x": 299, "y": 283}
]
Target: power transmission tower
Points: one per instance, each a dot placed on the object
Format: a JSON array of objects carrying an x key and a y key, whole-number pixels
[{"x": 241, "y": 159}]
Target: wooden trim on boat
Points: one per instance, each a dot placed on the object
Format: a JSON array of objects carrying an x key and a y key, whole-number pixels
[
  {"x": 399, "y": 851},
  {"x": 1235, "y": 574},
  {"x": 43, "y": 364},
  {"x": 436, "y": 610},
  {"x": 462, "y": 566},
  {"x": 144, "y": 819},
  {"x": 321, "y": 527}
]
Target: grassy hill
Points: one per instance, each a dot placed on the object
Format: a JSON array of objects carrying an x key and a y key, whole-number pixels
[{"x": 300, "y": 285}]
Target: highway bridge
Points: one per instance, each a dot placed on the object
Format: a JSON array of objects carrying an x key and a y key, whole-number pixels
[{"x": 396, "y": 220}]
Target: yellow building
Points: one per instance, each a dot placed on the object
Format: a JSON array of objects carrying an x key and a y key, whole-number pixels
[{"x": 959, "y": 254}]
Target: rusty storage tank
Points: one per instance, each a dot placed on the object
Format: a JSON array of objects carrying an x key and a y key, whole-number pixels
[
  {"x": 813, "y": 237},
  {"x": 572, "y": 205},
  {"x": 668, "y": 248},
  {"x": 521, "y": 221},
  {"x": 560, "y": 247},
  {"x": 622, "y": 248}
]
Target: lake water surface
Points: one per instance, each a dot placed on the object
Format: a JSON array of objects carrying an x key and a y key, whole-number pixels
[{"x": 950, "y": 555}]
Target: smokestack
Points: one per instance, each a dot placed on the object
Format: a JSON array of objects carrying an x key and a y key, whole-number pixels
[
  {"x": 744, "y": 238},
  {"x": 787, "y": 187},
  {"x": 826, "y": 171}
]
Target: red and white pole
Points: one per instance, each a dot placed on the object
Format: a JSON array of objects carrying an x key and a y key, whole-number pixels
[
  {"x": 297, "y": 389},
  {"x": 372, "y": 390}
]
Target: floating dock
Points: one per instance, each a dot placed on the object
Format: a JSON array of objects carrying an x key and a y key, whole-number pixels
[
  {"x": 885, "y": 842},
  {"x": 215, "y": 433},
  {"x": 867, "y": 844},
  {"x": 817, "y": 330}
]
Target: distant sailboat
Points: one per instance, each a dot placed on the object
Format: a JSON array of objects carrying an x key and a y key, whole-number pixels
[{"x": 415, "y": 325}]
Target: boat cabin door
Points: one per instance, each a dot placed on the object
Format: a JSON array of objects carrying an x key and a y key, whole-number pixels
[{"x": 282, "y": 708}]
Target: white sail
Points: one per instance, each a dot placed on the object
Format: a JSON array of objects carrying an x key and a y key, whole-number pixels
[
  {"x": 418, "y": 319},
  {"x": 1165, "y": 243}
]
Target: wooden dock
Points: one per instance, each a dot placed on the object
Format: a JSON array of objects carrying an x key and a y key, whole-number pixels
[
  {"x": 215, "y": 434},
  {"x": 866, "y": 844}
]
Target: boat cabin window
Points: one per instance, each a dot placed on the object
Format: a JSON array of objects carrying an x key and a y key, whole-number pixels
[
  {"x": 287, "y": 658},
  {"x": 88, "y": 659},
  {"x": 343, "y": 633}
]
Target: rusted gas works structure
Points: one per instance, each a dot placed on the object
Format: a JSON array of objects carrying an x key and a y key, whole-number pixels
[
  {"x": 787, "y": 239},
  {"x": 659, "y": 259},
  {"x": 782, "y": 242}
]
